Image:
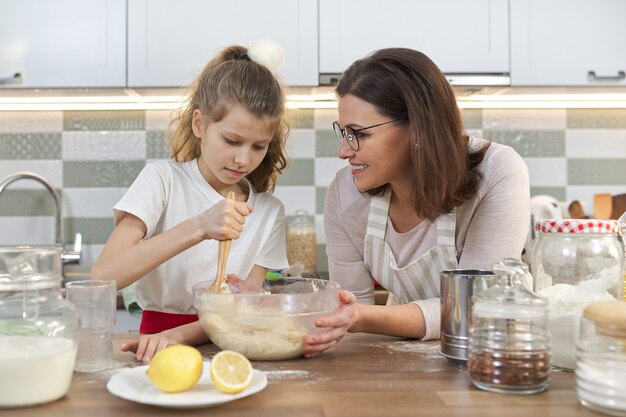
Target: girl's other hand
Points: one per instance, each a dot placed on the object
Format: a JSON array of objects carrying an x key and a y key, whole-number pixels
[
  {"x": 149, "y": 344},
  {"x": 223, "y": 220},
  {"x": 335, "y": 326}
]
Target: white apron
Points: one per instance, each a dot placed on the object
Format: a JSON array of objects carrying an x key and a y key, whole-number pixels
[{"x": 420, "y": 279}]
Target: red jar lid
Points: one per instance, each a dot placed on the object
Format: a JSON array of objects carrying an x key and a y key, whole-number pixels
[{"x": 577, "y": 226}]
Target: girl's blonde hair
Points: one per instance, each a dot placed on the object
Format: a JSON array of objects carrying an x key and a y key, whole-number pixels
[{"x": 232, "y": 78}]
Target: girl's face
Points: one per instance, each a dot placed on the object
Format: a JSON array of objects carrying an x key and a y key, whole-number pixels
[
  {"x": 231, "y": 148},
  {"x": 384, "y": 151}
]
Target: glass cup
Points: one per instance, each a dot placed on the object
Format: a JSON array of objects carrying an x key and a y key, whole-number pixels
[{"x": 96, "y": 302}]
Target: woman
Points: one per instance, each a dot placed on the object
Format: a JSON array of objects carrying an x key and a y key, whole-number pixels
[{"x": 419, "y": 197}]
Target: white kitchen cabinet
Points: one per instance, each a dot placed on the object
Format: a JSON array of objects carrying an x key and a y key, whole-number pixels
[
  {"x": 568, "y": 42},
  {"x": 461, "y": 36},
  {"x": 169, "y": 42},
  {"x": 62, "y": 43}
]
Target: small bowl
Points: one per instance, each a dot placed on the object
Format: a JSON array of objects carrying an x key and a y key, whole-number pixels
[{"x": 265, "y": 326}]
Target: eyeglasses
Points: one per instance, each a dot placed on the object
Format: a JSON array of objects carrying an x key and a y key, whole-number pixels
[{"x": 352, "y": 135}]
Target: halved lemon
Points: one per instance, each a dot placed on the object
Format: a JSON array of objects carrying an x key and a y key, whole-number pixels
[{"x": 231, "y": 372}]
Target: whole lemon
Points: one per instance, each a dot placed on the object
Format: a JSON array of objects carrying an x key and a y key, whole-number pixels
[{"x": 176, "y": 368}]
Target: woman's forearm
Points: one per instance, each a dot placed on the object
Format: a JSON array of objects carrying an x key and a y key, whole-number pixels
[{"x": 405, "y": 320}]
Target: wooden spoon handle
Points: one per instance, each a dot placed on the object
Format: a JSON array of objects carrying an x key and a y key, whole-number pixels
[{"x": 222, "y": 255}]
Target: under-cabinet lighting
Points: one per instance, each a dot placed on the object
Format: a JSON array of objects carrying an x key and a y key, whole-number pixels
[{"x": 309, "y": 101}]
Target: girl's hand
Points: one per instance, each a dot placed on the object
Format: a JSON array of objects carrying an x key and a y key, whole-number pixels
[
  {"x": 149, "y": 344},
  {"x": 223, "y": 220},
  {"x": 335, "y": 326}
]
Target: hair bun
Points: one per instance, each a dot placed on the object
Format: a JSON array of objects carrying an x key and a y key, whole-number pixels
[{"x": 266, "y": 52}]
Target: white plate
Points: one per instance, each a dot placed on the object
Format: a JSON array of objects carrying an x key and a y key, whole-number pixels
[{"x": 134, "y": 385}]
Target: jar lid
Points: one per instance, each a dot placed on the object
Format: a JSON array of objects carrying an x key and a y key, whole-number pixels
[
  {"x": 577, "y": 226},
  {"x": 607, "y": 313}
]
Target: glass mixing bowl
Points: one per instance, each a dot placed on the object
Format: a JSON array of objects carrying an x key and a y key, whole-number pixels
[{"x": 268, "y": 326}]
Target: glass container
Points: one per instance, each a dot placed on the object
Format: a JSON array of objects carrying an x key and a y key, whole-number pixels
[
  {"x": 302, "y": 243},
  {"x": 601, "y": 358},
  {"x": 509, "y": 344},
  {"x": 38, "y": 328},
  {"x": 575, "y": 263}
]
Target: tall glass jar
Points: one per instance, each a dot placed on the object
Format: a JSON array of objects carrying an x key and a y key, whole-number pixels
[
  {"x": 575, "y": 263},
  {"x": 38, "y": 328},
  {"x": 302, "y": 243},
  {"x": 509, "y": 345},
  {"x": 601, "y": 358}
]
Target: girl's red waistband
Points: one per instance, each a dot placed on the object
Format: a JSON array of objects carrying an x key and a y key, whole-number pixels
[{"x": 158, "y": 321}]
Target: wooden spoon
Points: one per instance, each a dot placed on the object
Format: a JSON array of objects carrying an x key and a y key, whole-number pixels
[
  {"x": 222, "y": 257},
  {"x": 602, "y": 206}
]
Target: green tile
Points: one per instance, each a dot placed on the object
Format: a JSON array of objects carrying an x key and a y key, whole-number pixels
[
  {"x": 27, "y": 203},
  {"x": 156, "y": 146},
  {"x": 322, "y": 259},
  {"x": 530, "y": 143},
  {"x": 596, "y": 118},
  {"x": 95, "y": 231},
  {"x": 100, "y": 173},
  {"x": 30, "y": 145},
  {"x": 301, "y": 118},
  {"x": 320, "y": 199},
  {"x": 596, "y": 171},
  {"x": 557, "y": 192},
  {"x": 299, "y": 172},
  {"x": 472, "y": 118},
  {"x": 326, "y": 143},
  {"x": 104, "y": 120}
]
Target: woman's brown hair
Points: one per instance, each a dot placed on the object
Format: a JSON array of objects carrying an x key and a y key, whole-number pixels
[
  {"x": 405, "y": 84},
  {"x": 232, "y": 78}
]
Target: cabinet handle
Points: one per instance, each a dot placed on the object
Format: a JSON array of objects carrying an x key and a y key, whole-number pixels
[
  {"x": 10, "y": 80},
  {"x": 620, "y": 76}
]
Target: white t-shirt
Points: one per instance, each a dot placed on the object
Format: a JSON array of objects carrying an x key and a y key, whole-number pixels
[
  {"x": 491, "y": 226},
  {"x": 167, "y": 193}
]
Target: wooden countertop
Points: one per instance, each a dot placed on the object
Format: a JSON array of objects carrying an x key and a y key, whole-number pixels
[{"x": 364, "y": 375}]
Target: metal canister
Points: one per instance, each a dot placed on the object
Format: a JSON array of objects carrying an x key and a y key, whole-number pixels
[{"x": 457, "y": 288}]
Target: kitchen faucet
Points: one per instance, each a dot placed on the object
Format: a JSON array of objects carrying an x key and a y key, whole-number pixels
[{"x": 67, "y": 257}]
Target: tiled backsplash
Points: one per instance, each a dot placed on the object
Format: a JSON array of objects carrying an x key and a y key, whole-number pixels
[{"x": 92, "y": 156}]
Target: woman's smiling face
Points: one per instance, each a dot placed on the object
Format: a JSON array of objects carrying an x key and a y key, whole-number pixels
[{"x": 384, "y": 151}]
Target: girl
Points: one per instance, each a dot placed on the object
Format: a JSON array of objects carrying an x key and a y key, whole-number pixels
[
  {"x": 229, "y": 137},
  {"x": 419, "y": 197}
]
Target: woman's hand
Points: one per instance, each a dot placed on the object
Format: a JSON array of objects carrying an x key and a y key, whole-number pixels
[
  {"x": 335, "y": 326},
  {"x": 223, "y": 220},
  {"x": 149, "y": 344}
]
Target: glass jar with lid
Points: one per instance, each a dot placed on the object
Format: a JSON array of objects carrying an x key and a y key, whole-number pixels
[
  {"x": 509, "y": 344},
  {"x": 601, "y": 358},
  {"x": 302, "y": 243},
  {"x": 38, "y": 328},
  {"x": 575, "y": 263}
]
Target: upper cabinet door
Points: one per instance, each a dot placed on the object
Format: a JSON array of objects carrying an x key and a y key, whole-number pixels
[
  {"x": 62, "y": 43},
  {"x": 568, "y": 42},
  {"x": 460, "y": 36},
  {"x": 170, "y": 41}
]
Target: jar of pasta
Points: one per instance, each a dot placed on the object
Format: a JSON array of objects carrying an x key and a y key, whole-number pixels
[{"x": 302, "y": 243}]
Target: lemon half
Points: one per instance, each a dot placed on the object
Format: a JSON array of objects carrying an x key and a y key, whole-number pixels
[
  {"x": 176, "y": 368},
  {"x": 231, "y": 372}
]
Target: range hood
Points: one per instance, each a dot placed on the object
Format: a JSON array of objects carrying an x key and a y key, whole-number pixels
[{"x": 460, "y": 80}]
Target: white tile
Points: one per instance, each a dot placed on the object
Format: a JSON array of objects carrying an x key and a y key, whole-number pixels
[
  {"x": 90, "y": 202},
  {"x": 319, "y": 229},
  {"x": 324, "y": 118},
  {"x": 52, "y": 170},
  {"x": 27, "y": 230},
  {"x": 584, "y": 194},
  {"x": 301, "y": 143},
  {"x": 104, "y": 145},
  {"x": 595, "y": 143},
  {"x": 478, "y": 133},
  {"x": 296, "y": 198},
  {"x": 31, "y": 121},
  {"x": 532, "y": 119},
  {"x": 158, "y": 119},
  {"x": 326, "y": 169},
  {"x": 547, "y": 172}
]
